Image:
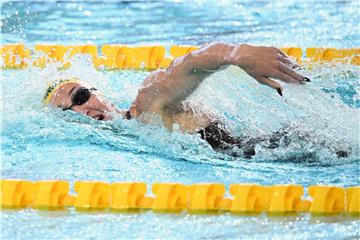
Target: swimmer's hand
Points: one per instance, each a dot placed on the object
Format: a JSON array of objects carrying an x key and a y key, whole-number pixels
[{"x": 263, "y": 63}]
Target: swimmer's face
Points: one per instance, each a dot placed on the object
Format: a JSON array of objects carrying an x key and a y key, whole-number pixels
[{"x": 95, "y": 107}]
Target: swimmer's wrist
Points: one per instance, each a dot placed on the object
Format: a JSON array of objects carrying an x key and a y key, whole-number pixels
[{"x": 238, "y": 55}]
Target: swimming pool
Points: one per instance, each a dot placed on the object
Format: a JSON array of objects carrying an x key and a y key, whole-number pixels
[{"x": 43, "y": 143}]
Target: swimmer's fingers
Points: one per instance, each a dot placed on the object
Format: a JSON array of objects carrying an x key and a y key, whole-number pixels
[
  {"x": 270, "y": 83},
  {"x": 287, "y": 61},
  {"x": 294, "y": 76},
  {"x": 283, "y": 57},
  {"x": 284, "y": 69},
  {"x": 280, "y": 75},
  {"x": 281, "y": 53}
]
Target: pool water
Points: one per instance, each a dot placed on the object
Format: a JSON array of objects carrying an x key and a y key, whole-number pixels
[{"x": 40, "y": 143}]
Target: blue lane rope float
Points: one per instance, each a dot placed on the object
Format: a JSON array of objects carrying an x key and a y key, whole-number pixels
[
  {"x": 119, "y": 56},
  {"x": 177, "y": 197}
]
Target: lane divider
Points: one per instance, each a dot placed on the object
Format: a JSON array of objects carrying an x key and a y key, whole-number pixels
[
  {"x": 118, "y": 57},
  {"x": 176, "y": 197}
]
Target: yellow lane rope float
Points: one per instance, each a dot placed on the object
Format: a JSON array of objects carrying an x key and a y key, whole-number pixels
[
  {"x": 176, "y": 197},
  {"x": 145, "y": 57}
]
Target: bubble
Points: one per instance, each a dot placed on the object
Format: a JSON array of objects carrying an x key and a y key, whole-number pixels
[{"x": 87, "y": 13}]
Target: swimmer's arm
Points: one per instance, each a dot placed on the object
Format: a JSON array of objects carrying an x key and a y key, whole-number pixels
[
  {"x": 262, "y": 63},
  {"x": 167, "y": 88}
]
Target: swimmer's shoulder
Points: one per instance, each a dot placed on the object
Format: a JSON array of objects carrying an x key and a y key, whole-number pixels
[
  {"x": 154, "y": 76},
  {"x": 150, "y": 94}
]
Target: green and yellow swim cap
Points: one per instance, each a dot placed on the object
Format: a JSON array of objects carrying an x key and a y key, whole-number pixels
[{"x": 55, "y": 85}]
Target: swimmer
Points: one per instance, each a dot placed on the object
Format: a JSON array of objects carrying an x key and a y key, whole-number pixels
[{"x": 164, "y": 91}]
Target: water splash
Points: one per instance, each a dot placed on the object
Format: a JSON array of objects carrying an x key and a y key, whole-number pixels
[{"x": 318, "y": 121}]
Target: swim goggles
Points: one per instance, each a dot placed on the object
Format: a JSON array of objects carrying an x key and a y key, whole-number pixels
[{"x": 81, "y": 96}]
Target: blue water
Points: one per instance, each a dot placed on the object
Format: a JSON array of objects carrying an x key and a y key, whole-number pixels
[{"x": 44, "y": 143}]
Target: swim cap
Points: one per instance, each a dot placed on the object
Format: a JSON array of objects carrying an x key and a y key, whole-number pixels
[{"x": 55, "y": 85}]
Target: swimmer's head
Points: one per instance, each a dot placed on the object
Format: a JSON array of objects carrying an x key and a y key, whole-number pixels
[{"x": 73, "y": 94}]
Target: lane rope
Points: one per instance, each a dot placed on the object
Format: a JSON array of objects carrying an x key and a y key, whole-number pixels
[
  {"x": 118, "y": 57},
  {"x": 177, "y": 197}
]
